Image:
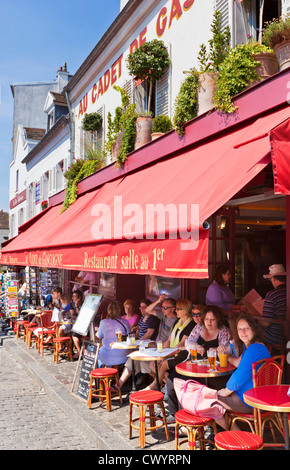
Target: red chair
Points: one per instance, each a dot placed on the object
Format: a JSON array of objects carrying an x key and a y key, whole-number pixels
[
  {"x": 195, "y": 430},
  {"x": 20, "y": 330},
  {"x": 145, "y": 401},
  {"x": 103, "y": 377},
  {"x": 238, "y": 440},
  {"x": 265, "y": 372},
  {"x": 47, "y": 331}
]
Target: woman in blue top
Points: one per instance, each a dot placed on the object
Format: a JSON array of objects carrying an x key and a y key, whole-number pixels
[
  {"x": 251, "y": 335},
  {"x": 107, "y": 332}
]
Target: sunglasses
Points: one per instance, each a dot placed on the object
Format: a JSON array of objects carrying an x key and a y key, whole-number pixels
[
  {"x": 178, "y": 308},
  {"x": 196, "y": 314},
  {"x": 166, "y": 308}
]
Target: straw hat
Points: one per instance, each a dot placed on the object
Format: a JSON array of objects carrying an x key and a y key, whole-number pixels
[{"x": 275, "y": 270}]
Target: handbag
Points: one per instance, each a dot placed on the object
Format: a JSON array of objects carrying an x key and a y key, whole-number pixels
[
  {"x": 198, "y": 399},
  {"x": 124, "y": 337}
]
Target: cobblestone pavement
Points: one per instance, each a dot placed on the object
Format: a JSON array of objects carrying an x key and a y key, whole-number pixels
[
  {"x": 36, "y": 402},
  {"x": 38, "y": 410},
  {"x": 29, "y": 419}
]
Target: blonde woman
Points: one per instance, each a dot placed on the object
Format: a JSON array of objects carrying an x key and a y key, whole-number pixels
[
  {"x": 130, "y": 314},
  {"x": 177, "y": 338}
]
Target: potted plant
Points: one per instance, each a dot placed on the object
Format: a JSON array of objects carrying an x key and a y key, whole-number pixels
[
  {"x": 44, "y": 205},
  {"x": 210, "y": 62},
  {"x": 92, "y": 122},
  {"x": 148, "y": 62},
  {"x": 161, "y": 124},
  {"x": 276, "y": 35},
  {"x": 185, "y": 105},
  {"x": 237, "y": 72}
]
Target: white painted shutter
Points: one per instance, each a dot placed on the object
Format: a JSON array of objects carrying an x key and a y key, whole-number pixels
[
  {"x": 285, "y": 7},
  {"x": 52, "y": 181},
  {"x": 163, "y": 91},
  {"x": 99, "y": 135}
]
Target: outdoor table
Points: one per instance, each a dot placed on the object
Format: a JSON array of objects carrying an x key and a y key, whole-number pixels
[
  {"x": 151, "y": 354},
  {"x": 271, "y": 398},
  {"x": 201, "y": 368}
]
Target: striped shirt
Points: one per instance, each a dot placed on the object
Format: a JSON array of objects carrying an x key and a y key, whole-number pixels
[{"x": 275, "y": 306}]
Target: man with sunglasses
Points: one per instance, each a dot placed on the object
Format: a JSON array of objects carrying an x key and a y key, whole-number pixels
[{"x": 167, "y": 315}]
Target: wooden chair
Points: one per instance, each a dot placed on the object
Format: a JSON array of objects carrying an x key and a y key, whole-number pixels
[
  {"x": 62, "y": 347},
  {"x": 48, "y": 329},
  {"x": 238, "y": 440},
  {"x": 195, "y": 430},
  {"x": 265, "y": 372},
  {"x": 103, "y": 378},
  {"x": 20, "y": 330},
  {"x": 145, "y": 401}
]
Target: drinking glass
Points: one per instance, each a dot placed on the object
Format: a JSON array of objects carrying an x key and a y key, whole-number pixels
[
  {"x": 119, "y": 335},
  {"x": 193, "y": 351},
  {"x": 211, "y": 355},
  {"x": 159, "y": 346},
  {"x": 133, "y": 339}
]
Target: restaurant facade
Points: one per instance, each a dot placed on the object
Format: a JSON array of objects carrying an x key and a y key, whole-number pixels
[{"x": 179, "y": 206}]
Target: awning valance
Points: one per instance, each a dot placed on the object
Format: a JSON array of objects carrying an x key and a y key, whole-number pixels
[{"x": 149, "y": 222}]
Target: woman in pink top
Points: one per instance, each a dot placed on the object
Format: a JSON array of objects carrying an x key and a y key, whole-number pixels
[{"x": 130, "y": 315}]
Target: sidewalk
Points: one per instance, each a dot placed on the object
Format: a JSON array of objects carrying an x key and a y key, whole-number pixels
[{"x": 109, "y": 430}]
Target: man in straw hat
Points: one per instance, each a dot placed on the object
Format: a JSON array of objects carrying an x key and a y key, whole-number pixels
[{"x": 275, "y": 304}]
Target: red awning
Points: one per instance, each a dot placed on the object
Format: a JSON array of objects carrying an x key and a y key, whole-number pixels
[{"x": 116, "y": 229}]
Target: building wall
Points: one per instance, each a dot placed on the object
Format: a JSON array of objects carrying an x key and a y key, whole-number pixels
[{"x": 177, "y": 23}]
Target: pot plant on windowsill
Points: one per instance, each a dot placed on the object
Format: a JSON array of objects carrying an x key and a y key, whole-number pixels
[
  {"x": 92, "y": 122},
  {"x": 161, "y": 124},
  {"x": 185, "y": 105},
  {"x": 276, "y": 35},
  {"x": 148, "y": 62}
]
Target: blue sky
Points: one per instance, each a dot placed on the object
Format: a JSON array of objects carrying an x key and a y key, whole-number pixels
[{"x": 36, "y": 38}]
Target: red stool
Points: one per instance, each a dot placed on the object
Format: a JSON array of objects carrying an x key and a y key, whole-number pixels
[
  {"x": 26, "y": 326},
  {"x": 30, "y": 338},
  {"x": 238, "y": 440},
  {"x": 62, "y": 347},
  {"x": 20, "y": 330},
  {"x": 145, "y": 400},
  {"x": 195, "y": 429},
  {"x": 104, "y": 377}
]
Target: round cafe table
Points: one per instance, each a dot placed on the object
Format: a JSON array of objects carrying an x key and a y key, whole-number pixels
[
  {"x": 200, "y": 368},
  {"x": 271, "y": 398}
]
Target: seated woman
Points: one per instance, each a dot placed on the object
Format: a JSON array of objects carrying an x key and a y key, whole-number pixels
[
  {"x": 219, "y": 293},
  {"x": 147, "y": 327},
  {"x": 254, "y": 349},
  {"x": 107, "y": 333},
  {"x": 210, "y": 333},
  {"x": 130, "y": 314},
  {"x": 177, "y": 339}
]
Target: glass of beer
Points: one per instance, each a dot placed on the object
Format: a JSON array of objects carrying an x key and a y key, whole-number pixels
[
  {"x": 223, "y": 358},
  {"x": 211, "y": 356},
  {"x": 119, "y": 335},
  {"x": 193, "y": 351},
  {"x": 159, "y": 346}
]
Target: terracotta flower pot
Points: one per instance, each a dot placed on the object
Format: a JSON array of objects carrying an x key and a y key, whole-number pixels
[
  {"x": 269, "y": 64},
  {"x": 155, "y": 135},
  {"x": 282, "y": 51},
  {"x": 205, "y": 92},
  {"x": 143, "y": 131}
]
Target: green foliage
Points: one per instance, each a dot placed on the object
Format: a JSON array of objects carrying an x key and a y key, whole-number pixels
[
  {"x": 79, "y": 170},
  {"x": 149, "y": 60},
  {"x": 92, "y": 122},
  {"x": 235, "y": 74},
  {"x": 122, "y": 127},
  {"x": 161, "y": 123},
  {"x": 185, "y": 106},
  {"x": 277, "y": 31},
  {"x": 219, "y": 46}
]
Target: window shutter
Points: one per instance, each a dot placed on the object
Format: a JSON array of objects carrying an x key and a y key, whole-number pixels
[
  {"x": 224, "y": 7},
  {"x": 163, "y": 91},
  {"x": 285, "y": 7}
]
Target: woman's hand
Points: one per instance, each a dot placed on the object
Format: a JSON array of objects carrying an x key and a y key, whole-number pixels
[
  {"x": 224, "y": 392},
  {"x": 200, "y": 350},
  {"x": 221, "y": 349}
]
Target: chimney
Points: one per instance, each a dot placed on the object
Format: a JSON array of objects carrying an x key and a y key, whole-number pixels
[{"x": 63, "y": 77}]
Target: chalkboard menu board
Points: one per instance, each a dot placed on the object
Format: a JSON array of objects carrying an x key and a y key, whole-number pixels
[{"x": 81, "y": 383}]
